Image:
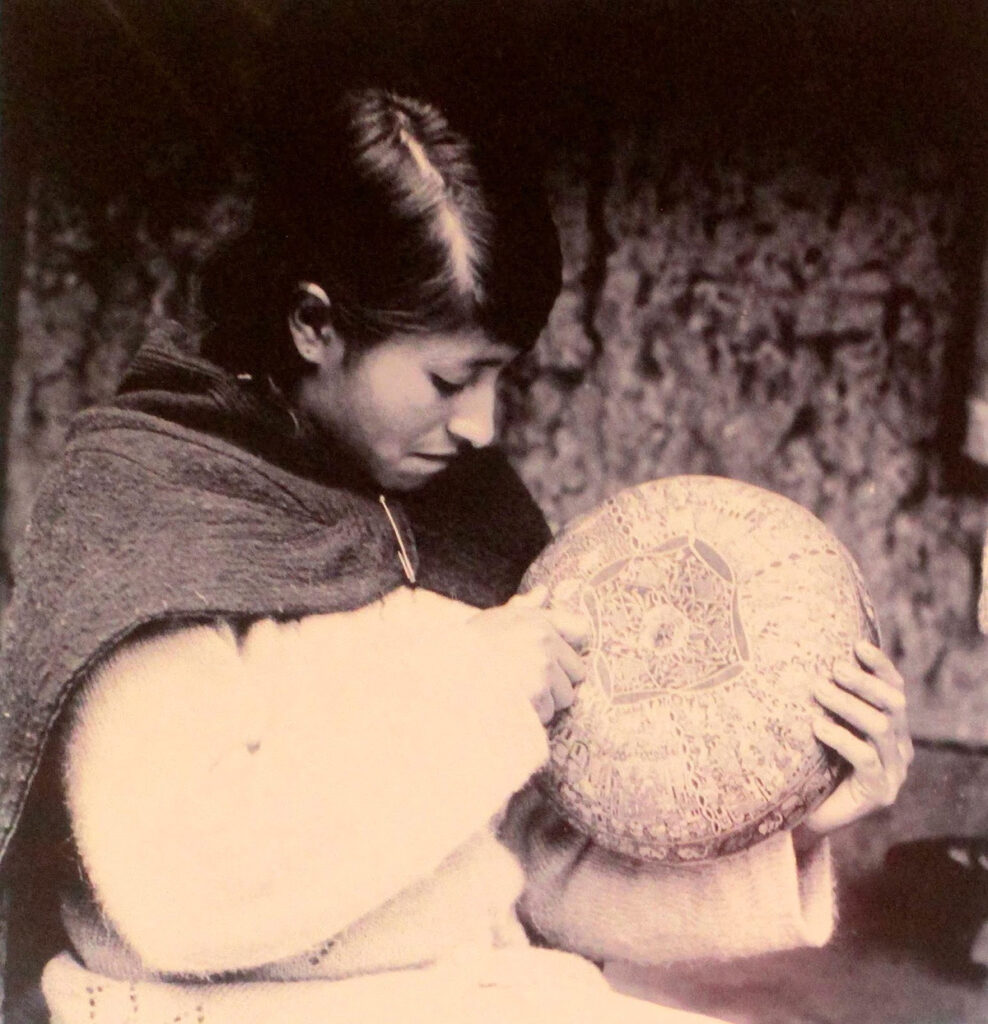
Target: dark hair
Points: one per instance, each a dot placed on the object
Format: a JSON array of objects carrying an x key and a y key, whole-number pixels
[{"x": 407, "y": 226}]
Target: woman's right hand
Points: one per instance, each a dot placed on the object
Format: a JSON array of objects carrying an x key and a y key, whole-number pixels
[{"x": 537, "y": 648}]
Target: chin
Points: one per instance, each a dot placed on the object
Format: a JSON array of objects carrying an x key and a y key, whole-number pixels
[
  {"x": 398, "y": 480},
  {"x": 410, "y": 478}
]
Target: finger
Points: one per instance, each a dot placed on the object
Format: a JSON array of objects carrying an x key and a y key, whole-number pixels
[
  {"x": 571, "y": 626},
  {"x": 875, "y": 725},
  {"x": 533, "y": 598},
  {"x": 881, "y": 693},
  {"x": 862, "y": 756},
  {"x": 873, "y": 783},
  {"x": 569, "y": 661},
  {"x": 875, "y": 659},
  {"x": 841, "y": 808},
  {"x": 872, "y": 688},
  {"x": 561, "y": 689},
  {"x": 545, "y": 705},
  {"x": 906, "y": 749},
  {"x": 566, "y": 590}
]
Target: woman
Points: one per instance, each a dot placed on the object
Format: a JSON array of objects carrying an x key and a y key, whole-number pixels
[{"x": 248, "y": 622}]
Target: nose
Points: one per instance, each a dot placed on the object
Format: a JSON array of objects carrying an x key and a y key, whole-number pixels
[{"x": 474, "y": 414}]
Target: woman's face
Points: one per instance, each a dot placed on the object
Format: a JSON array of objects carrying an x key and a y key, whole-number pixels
[{"x": 407, "y": 406}]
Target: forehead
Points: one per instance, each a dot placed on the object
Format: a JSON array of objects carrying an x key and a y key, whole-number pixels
[{"x": 471, "y": 348}]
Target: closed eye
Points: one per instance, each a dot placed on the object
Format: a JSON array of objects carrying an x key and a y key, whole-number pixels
[{"x": 445, "y": 387}]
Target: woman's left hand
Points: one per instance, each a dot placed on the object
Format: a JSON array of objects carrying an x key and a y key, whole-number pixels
[{"x": 869, "y": 697}]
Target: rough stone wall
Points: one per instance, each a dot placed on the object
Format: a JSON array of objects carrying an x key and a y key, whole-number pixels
[{"x": 756, "y": 315}]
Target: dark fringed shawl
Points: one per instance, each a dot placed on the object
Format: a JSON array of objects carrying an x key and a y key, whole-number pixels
[{"x": 193, "y": 496}]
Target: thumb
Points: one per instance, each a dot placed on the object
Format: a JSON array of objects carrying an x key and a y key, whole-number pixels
[{"x": 534, "y": 598}]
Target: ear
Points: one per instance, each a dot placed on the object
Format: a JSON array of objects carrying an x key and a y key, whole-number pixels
[{"x": 310, "y": 324}]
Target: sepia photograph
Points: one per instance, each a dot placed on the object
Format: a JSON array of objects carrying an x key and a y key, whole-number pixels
[{"x": 494, "y": 512}]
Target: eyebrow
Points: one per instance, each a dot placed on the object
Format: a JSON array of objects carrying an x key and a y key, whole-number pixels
[{"x": 480, "y": 363}]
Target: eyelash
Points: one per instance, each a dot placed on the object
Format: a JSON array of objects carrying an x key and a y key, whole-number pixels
[{"x": 447, "y": 388}]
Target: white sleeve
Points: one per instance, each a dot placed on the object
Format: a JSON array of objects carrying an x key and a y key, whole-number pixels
[
  {"x": 617, "y": 910},
  {"x": 236, "y": 803}
]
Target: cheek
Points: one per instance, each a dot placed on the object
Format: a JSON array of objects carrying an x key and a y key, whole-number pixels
[
  {"x": 421, "y": 418},
  {"x": 406, "y": 406}
]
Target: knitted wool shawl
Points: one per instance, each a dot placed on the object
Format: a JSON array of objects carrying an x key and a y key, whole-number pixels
[{"x": 196, "y": 495}]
